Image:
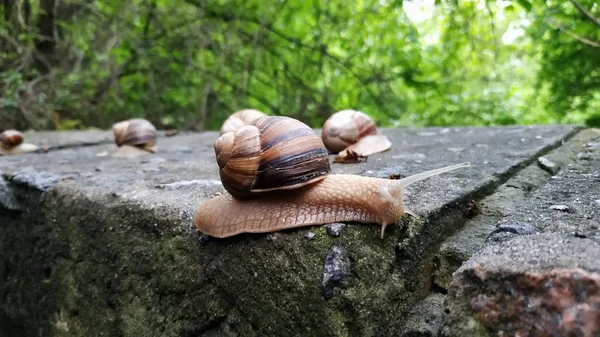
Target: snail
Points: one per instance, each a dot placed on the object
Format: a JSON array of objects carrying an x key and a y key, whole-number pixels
[
  {"x": 309, "y": 198},
  {"x": 134, "y": 137},
  {"x": 241, "y": 118},
  {"x": 352, "y": 134},
  {"x": 12, "y": 143}
]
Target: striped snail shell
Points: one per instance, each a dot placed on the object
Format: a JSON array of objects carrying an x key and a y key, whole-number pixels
[
  {"x": 273, "y": 153},
  {"x": 135, "y": 132},
  {"x": 345, "y": 128},
  {"x": 241, "y": 118},
  {"x": 11, "y": 138},
  {"x": 352, "y": 134}
]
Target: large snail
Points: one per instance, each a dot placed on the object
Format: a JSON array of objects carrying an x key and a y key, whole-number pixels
[
  {"x": 309, "y": 197},
  {"x": 12, "y": 143},
  {"x": 352, "y": 134},
  {"x": 134, "y": 137}
]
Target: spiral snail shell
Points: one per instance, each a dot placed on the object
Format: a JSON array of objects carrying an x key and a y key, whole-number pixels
[
  {"x": 241, "y": 118},
  {"x": 11, "y": 138},
  {"x": 12, "y": 143},
  {"x": 352, "y": 134},
  {"x": 280, "y": 148},
  {"x": 272, "y": 153},
  {"x": 134, "y": 137}
]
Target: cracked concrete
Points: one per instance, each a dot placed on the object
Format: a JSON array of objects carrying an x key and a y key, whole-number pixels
[
  {"x": 105, "y": 246},
  {"x": 518, "y": 200}
]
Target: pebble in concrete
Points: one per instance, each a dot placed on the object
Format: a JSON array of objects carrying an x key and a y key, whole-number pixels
[
  {"x": 338, "y": 266},
  {"x": 548, "y": 165},
  {"x": 334, "y": 229}
]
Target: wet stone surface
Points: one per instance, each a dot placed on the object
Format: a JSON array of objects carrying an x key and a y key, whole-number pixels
[{"x": 112, "y": 240}]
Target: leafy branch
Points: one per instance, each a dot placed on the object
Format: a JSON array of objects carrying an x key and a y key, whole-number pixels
[{"x": 583, "y": 11}]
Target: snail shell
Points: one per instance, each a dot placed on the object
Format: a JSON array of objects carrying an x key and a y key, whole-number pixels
[
  {"x": 12, "y": 143},
  {"x": 11, "y": 138},
  {"x": 241, "y": 118},
  {"x": 352, "y": 134},
  {"x": 134, "y": 133},
  {"x": 345, "y": 128},
  {"x": 272, "y": 153}
]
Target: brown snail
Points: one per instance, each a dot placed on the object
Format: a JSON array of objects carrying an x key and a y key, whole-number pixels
[
  {"x": 352, "y": 134},
  {"x": 134, "y": 137},
  {"x": 272, "y": 153},
  {"x": 241, "y": 118},
  {"x": 324, "y": 198},
  {"x": 12, "y": 143}
]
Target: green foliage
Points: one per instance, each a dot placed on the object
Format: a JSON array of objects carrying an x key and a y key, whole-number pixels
[
  {"x": 190, "y": 63},
  {"x": 569, "y": 60}
]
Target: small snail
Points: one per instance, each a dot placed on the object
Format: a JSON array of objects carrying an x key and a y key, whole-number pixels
[
  {"x": 309, "y": 198},
  {"x": 12, "y": 143},
  {"x": 134, "y": 137},
  {"x": 241, "y": 118},
  {"x": 352, "y": 134}
]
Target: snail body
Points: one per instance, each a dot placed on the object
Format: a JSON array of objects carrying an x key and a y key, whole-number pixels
[
  {"x": 134, "y": 137},
  {"x": 336, "y": 198},
  {"x": 12, "y": 143}
]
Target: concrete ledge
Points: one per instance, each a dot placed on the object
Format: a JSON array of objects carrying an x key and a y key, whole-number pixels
[
  {"x": 95, "y": 245},
  {"x": 526, "y": 198}
]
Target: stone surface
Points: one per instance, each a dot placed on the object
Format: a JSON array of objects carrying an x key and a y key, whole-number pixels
[
  {"x": 527, "y": 283},
  {"x": 425, "y": 318},
  {"x": 526, "y": 198},
  {"x": 58, "y": 140},
  {"x": 110, "y": 248},
  {"x": 535, "y": 285},
  {"x": 566, "y": 202},
  {"x": 8, "y": 200}
]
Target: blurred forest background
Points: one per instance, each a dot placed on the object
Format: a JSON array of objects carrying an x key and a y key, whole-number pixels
[{"x": 187, "y": 64}]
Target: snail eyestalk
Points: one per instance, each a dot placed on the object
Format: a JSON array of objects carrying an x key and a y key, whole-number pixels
[{"x": 405, "y": 182}]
